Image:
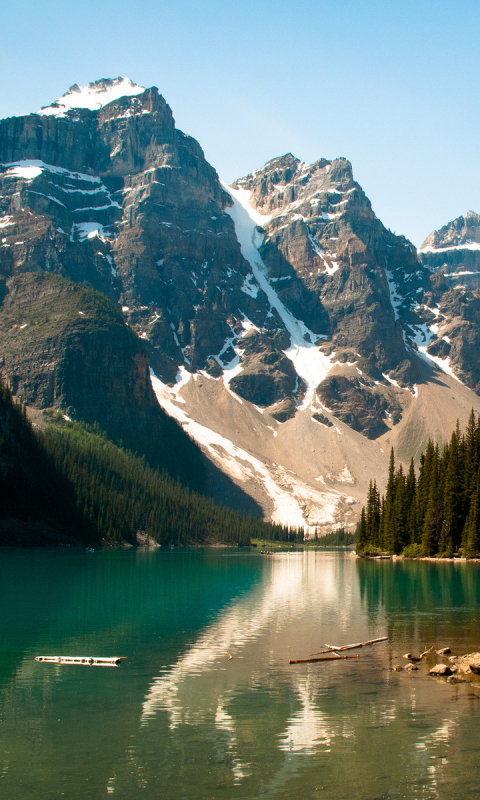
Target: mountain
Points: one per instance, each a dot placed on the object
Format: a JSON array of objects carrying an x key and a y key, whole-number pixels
[
  {"x": 69, "y": 485},
  {"x": 287, "y": 330},
  {"x": 38, "y": 504},
  {"x": 452, "y": 307},
  {"x": 65, "y": 345},
  {"x": 455, "y": 250}
]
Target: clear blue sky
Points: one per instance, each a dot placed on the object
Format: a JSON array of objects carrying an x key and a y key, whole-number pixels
[{"x": 390, "y": 84}]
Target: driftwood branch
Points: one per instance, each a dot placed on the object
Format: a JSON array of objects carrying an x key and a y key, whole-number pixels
[
  {"x": 328, "y": 658},
  {"x": 331, "y": 648},
  {"x": 427, "y": 651}
]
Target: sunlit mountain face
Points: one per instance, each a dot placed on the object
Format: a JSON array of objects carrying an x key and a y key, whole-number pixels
[{"x": 291, "y": 334}]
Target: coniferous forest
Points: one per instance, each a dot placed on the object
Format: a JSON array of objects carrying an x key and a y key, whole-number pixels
[
  {"x": 433, "y": 513},
  {"x": 72, "y": 481}
]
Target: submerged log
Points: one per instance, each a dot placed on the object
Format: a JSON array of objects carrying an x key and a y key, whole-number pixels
[{"x": 327, "y": 658}]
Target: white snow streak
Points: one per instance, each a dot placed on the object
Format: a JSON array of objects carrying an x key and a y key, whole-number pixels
[
  {"x": 309, "y": 362},
  {"x": 466, "y": 246},
  {"x": 443, "y": 363},
  {"x": 289, "y": 498},
  {"x": 32, "y": 168},
  {"x": 424, "y": 335},
  {"x": 392, "y": 288}
]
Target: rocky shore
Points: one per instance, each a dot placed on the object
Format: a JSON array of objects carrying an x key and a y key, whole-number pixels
[{"x": 456, "y": 669}]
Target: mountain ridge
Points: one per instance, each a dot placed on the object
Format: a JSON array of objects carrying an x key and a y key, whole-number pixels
[{"x": 288, "y": 331}]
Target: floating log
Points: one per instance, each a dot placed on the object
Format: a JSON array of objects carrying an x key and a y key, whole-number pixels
[
  {"x": 89, "y": 661},
  {"x": 331, "y": 648},
  {"x": 328, "y": 658}
]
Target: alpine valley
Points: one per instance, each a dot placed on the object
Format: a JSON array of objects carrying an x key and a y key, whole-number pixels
[{"x": 291, "y": 335}]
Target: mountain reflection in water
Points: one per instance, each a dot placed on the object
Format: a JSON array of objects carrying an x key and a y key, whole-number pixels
[{"x": 206, "y": 726}]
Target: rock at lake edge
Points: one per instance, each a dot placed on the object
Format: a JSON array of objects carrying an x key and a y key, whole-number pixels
[
  {"x": 440, "y": 669},
  {"x": 469, "y": 663}
]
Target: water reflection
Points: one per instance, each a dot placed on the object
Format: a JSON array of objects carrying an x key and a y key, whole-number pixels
[
  {"x": 254, "y": 726},
  {"x": 235, "y": 628},
  {"x": 253, "y": 630},
  {"x": 313, "y": 716},
  {"x": 307, "y": 728}
]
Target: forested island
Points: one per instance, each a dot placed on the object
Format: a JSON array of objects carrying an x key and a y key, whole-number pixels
[{"x": 434, "y": 513}]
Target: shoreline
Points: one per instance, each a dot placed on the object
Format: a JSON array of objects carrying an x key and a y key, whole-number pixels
[{"x": 436, "y": 559}]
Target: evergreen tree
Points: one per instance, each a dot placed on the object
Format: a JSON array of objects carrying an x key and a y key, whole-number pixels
[
  {"x": 452, "y": 496},
  {"x": 400, "y": 512},
  {"x": 389, "y": 533},
  {"x": 471, "y": 537},
  {"x": 362, "y": 539},
  {"x": 440, "y": 510}
]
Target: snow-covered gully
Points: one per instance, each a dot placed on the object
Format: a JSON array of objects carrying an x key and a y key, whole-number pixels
[{"x": 310, "y": 363}]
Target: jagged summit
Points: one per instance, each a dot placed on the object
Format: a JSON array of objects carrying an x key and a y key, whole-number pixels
[
  {"x": 93, "y": 96},
  {"x": 461, "y": 232},
  {"x": 453, "y": 251}
]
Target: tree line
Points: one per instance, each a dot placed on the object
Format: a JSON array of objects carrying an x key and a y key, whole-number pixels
[
  {"x": 71, "y": 478},
  {"x": 434, "y": 513}
]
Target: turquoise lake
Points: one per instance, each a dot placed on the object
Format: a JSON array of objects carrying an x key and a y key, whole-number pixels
[{"x": 180, "y": 720}]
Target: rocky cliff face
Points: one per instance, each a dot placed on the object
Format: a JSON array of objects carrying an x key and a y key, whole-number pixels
[
  {"x": 118, "y": 198},
  {"x": 454, "y": 251},
  {"x": 115, "y": 197},
  {"x": 450, "y": 308},
  {"x": 65, "y": 346},
  {"x": 353, "y": 284}
]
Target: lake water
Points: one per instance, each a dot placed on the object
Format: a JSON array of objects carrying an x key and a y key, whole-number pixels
[{"x": 180, "y": 720}]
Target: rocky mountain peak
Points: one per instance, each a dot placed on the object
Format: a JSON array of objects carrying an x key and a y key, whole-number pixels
[
  {"x": 327, "y": 252},
  {"x": 450, "y": 309},
  {"x": 93, "y": 96},
  {"x": 453, "y": 252},
  {"x": 461, "y": 231},
  {"x": 286, "y": 180}
]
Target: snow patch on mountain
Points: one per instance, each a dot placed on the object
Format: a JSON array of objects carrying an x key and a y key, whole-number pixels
[
  {"x": 425, "y": 335},
  {"x": 93, "y": 96},
  {"x": 395, "y": 299},
  {"x": 443, "y": 363},
  {"x": 89, "y": 230},
  {"x": 310, "y": 363},
  {"x": 29, "y": 169},
  {"x": 466, "y": 246}
]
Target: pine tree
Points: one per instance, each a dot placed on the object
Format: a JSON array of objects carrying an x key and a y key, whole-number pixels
[
  {"x": 471, "y": 538},
  {"x": 452, "y": 496},
  {"x": 400, "y": 512},
  {"x": 389, "y": 535},
  {"x": 362, "y": 532},
  {"x": 429, "y": 528}
]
